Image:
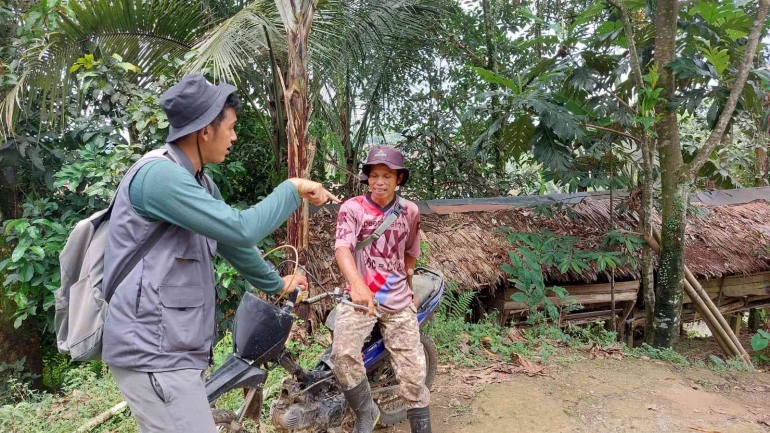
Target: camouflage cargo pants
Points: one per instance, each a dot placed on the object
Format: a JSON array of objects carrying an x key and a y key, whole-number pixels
[{"x": 401, "y": 334}]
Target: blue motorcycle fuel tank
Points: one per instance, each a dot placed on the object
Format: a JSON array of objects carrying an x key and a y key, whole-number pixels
[{"x": 260, "y": 330}]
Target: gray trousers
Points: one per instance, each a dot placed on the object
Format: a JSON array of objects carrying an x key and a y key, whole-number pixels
[{"x": 166, "y": 402}]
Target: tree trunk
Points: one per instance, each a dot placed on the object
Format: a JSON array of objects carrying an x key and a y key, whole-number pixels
[
  {"x": 351, "y": 153},
  {"x": 539, "y": 28},
  {"x": 646, "y": 185},
  {"x": 761, "y": 165},
  {"x": 297, "y": 19},
  {"x": 489, "y": 34},
  {"x": 675, "y": 185},
  {"x": 23, "y": 342},
  {"x": 648, "y": 275},
  {"x": 490, "y": 29}
]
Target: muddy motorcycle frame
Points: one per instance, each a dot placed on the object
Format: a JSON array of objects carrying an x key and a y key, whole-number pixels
[{"x": 260, "y": 333}]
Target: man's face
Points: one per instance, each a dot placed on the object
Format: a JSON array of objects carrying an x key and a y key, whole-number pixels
[
  {"x": 216, "y": 143},
  {"x": 383, "y": 181}
]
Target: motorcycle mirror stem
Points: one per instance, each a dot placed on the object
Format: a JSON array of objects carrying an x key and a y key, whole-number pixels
[{"x": 292, "y": 298}]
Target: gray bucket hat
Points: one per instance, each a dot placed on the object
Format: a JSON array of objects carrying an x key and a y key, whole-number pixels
[
  {"x": 192, "y": 104},
  {"x": 388, "y": 156}
]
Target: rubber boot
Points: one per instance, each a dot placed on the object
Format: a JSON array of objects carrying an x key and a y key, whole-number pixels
[
  {"x": 360, "y": 400},
  {"x": 419, "y": 420}
]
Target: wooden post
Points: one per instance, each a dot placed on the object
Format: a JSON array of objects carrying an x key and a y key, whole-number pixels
[
  {"x": 629, "y": 335},
  {"x": 753, "y": 320},
  {"x": 736, "y": 320}
]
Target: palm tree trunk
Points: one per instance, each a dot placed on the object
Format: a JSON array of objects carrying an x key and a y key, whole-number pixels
[
  {"x": 675, "y": 185},
  {"x": 297, "y": 19}
]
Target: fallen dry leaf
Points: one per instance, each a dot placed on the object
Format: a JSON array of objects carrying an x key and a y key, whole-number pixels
[
  {"x": 496, "y": 373},
  {"x": 492, "y": 356},
  {"x": 614, "y": 351},
  {"x": 514, "y": 335},
  {"x": 528, "y": 367}
]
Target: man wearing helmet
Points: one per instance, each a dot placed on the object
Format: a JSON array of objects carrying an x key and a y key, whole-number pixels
[{"x": 377, "y": 270}]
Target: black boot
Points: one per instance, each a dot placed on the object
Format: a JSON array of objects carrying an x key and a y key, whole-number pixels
[
  {"x": 360, "y": 400},
  {"x": 419, "y": 420}
]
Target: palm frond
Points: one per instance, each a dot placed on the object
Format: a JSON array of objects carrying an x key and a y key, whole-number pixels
[
  {"x": 144, "y": 32},
  {"x": 340, "y": 29},
  {"x": 8, "y": 107},
  {"x": 240, "y": 41}
]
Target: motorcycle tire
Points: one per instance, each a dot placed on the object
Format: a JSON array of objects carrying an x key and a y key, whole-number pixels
[
  {"x": 393, "y": 416},
  {"x": 226, "y": 419}
]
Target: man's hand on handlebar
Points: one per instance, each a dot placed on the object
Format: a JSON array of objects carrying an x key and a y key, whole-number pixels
[
  {"x": 313, "y": 191},
  {"x": 361, "y": 295},
  {"x": 291, "y": 282}
]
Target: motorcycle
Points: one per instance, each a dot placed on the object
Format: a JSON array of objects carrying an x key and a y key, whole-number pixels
[{"x": 310, "y": 401}]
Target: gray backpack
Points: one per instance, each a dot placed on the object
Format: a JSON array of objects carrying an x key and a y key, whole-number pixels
[{"x": 81, "y": 301}]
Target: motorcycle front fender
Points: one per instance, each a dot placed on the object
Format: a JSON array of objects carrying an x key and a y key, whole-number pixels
[{"x": 234, "y": 373}]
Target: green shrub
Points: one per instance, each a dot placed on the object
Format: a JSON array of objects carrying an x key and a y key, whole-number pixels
[
  {"x": 590, "y": 334},
  {"x": 12, "y": 376},
  {"x": 87, "y": 392},
  {"x": 668, "y": 355}
]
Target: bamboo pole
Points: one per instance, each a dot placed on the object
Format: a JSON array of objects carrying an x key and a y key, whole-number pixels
[
  {"x": 102, "y": 418},
  {"x": 690, "y": 278},
  {"x": 719, "y": 333}
]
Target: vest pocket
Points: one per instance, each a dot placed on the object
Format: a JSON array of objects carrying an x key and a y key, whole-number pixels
[
  {"x": 182, "y": 318},
  {"x": 188, "y": 245},
  {"x": 187, "y": 269}
]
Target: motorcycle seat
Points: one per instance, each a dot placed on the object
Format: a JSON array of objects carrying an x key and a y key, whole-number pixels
[{"x": 424, "y": 287}]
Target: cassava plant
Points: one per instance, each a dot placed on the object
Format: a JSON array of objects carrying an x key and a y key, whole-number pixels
[{"x": 538, "y": 251}]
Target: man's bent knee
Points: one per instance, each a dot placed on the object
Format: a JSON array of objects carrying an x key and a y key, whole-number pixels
[{"x": 348, "y": 367}]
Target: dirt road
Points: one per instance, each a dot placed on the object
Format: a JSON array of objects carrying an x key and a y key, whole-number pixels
[{"x": 604, "y": 396}]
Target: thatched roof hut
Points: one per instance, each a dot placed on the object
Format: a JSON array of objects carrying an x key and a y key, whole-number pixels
[
  {"x": 729, "y": 236},
  {"x": 727, "y": 248}
]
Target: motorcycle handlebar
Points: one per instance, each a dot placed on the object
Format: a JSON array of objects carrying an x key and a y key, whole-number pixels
[{"x": 340, "y": 297}]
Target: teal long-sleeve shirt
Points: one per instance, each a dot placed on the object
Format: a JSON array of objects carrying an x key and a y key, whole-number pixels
[{"x": 163, "y": 190}]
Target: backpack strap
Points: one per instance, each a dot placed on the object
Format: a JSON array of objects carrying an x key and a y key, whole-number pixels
[
  {"x": 389, "y": 220},
  {"x": 152, "y": 238},
  {"x": 151, "y": 155}
]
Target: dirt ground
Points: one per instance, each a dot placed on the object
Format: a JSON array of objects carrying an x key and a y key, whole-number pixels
[{"x": 603, "y": 395}]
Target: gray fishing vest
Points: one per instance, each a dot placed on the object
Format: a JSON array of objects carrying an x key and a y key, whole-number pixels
[{"x": 161, "y": 316}]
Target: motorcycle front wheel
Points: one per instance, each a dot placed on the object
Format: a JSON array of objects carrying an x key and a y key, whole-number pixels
[{"x": 383, "y": 379}]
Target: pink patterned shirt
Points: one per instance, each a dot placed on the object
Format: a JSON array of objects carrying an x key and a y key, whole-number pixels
[{"x": 382, "y": 263}]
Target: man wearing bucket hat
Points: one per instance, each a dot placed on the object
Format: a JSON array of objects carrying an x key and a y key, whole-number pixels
[
  {"x": 377, "y": 269},
  {"x": 160, "y": 325}
]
